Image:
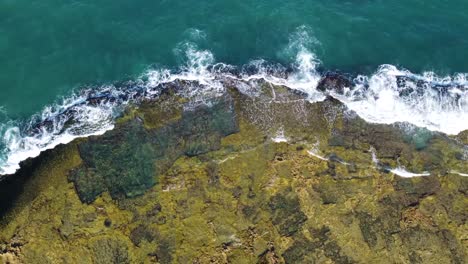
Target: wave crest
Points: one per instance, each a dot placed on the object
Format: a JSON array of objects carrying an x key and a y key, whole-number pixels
[{"x": 389, "y": 95}]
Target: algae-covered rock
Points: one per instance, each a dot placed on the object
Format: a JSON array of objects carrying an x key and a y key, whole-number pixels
[
  {"x": 109, "y": 250},
  {"x": 239, "y": 179},
  {"x": 126, "y": 161},
  {"x": 287, "y": 214},
  {"x": 120, "y": 162},
  {"x": 317, "y": 249}
]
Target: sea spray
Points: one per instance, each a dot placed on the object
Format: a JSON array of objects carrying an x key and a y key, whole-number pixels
[{"x": 388, "y": 96}]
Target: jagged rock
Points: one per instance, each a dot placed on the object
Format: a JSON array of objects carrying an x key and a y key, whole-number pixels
[
  {"x": 141, "y": 233},
  {"x": 126, "y": 161},
  {"x": 110, "y": 250},
  {"x": 179, "y": 182},
  {"x": 429, "y": 246},
  {"x": 305, "y": 250},
  {"x": 287, "y": 214},
  {"x": 333, "y": 81},
  {"x": 369, "y": 228}
]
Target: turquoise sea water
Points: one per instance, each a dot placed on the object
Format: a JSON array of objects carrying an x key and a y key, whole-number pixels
[
  {"x": 48, "y": 47},
  {"x": 52, "y": 48}
]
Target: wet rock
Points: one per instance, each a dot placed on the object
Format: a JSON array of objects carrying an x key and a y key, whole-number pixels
[
  {"x": 419, "y": 187},
  {"x": 419, "y": 137},
  {"x": 333, "y": 81},
  {"x": 304, "y": 250},
  {"x": 215, "y": 197},
  {"x": 154, "y": 211},
  {"x": 107, "y": 222},
  {"x": 333, "y": 251},
  {"x": 110, "y": 250},
  {"x": 429, "y": 246},
  {"x": 463, "y": 137},
  {"x": 301, "y": 251},
  {"x": 287, "y": 214},
  {"x": 164, "y": 251},
  {"x": 127, "y": 160},
  {"x": 141, "y": 233},
  {"x": 369, "y": 228},
  {"x": 268, "y": 257}
]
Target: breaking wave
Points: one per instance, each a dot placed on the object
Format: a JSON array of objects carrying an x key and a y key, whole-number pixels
[{"x": 389, "y": 95}]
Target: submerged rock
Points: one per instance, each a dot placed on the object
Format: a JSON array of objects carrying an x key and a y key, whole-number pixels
[{"x": 127, "y": 161}]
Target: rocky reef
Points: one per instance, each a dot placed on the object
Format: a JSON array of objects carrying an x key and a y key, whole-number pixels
[{"x": 270, "y": 178}]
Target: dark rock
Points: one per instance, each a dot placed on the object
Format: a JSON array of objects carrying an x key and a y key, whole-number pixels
[
  {"x": 107, "y": 222},
  {"x": 88, "y": 184},
  {"x": 154, "y": 211},
  {"x": 418, "y": 239},
  {"x": 420, "y": 187},
  {"x": 352, "y": 168},
  {"x": 127, "y": 160},
  {"x": 336, "y": 141},
  {"x": 333, "y": 190},
  {"x": 459, "y": 255},
  {"x": 459, "y": 156},
  {"x": 301, "y": 251},
  {"x": 237, "y": 192},
  {"x": 212, "y": 171},
  {"x": 304, "y": 250},
  {"x": 334, "y": 82},
  {"x": 141, "y": 233},
  {"x": 287, "y": 214},
  {"x": 249, "y": 211},
  {"x": 120, "y": 162},
  {"x": 164, "y": 250},
  {"x": 161, "y": 220},
  {"x": 110, "y": 250},
  {"x": 268, "y": 257},
  {"x": 369, "y": 228},
  {"x": 334, "y": 158},
  {"x": 333, "y": 251}
]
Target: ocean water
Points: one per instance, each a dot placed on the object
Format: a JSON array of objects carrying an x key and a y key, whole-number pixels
[{"x": 56, "y": 55}]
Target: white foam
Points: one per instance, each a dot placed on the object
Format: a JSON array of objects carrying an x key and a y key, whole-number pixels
[
  {"x": 304, "y": 79},
  {"x": 89, "y": 120},
  {"x": 377, "y": 98},
  {"x": 31, "y": 148},
  {"x": 314, "y": 153},
  {"x": 280, "y": 137},
  {"x": 402, "y": 172},
  {"x": 459, "y": 173},
  {"x": 375, "y": 160}
]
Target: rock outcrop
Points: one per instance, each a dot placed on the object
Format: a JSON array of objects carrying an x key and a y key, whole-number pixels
[{"x": 177, "y": 182}]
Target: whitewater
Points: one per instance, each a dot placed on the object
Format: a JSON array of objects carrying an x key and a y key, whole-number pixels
[{"x": 388, "y": 96}]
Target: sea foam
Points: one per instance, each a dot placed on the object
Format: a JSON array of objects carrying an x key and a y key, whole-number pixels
[{"x": 389, "y": 95}]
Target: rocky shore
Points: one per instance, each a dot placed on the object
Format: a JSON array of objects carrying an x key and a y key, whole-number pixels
[{"x": 241, "y": 179}]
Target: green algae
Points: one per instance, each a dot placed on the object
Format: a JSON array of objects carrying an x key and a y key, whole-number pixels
[
  {"x": 127, "y": 160},
  {"x": 209, "y": 185}
]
